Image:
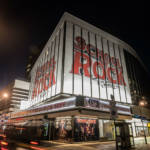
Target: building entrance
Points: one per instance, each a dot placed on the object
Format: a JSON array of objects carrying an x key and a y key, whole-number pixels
[{"x": 124, "y": 135}]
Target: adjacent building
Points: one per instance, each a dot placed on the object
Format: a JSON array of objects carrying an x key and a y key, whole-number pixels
[
  {"x": 83, "y": 80},
  {"x": 12, "y": 95}
]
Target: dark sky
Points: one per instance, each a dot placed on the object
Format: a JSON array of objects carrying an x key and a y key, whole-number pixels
[{"x": 24, "y": 24}]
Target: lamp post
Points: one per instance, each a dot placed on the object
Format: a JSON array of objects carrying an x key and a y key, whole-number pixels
[{"x": 143, "y": 103}]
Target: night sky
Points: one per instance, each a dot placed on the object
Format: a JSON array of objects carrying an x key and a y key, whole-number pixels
[{"x": 26, "y": 26}]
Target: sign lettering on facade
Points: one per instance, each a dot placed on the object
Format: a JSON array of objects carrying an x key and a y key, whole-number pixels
[{"x": 87, "y": 65}]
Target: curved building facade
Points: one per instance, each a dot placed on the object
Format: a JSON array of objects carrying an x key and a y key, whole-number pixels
[
  {"x": 83, "y": 80},
  {"x": 80, "y": 59}
]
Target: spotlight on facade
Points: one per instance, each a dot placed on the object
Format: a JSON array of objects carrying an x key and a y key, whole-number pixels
[
  {"x": 5, "y": 95},
  {"x": 143, "y": 103}
]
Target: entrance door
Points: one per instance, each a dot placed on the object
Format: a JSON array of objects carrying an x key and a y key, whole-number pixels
[
  {"x": 124, "y": 135},
  {"x": 51, "y": 130}
]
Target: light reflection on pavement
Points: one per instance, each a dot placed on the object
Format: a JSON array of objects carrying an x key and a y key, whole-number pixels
[
  {"x": 20, "y": 148},
  {"x": 95, "y": 145}
]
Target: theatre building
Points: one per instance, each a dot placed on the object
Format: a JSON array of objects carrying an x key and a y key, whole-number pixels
[{"x": 83, "y": 81}]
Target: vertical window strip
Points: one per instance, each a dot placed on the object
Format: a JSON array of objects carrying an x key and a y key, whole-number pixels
[
  {"x": 140, "y": 89},
  {"x": 57, "y": 60},
  {"x": 53, "y": 58},
  {"x": 110, "y": 65},
  {"x": 63, "y": 57},
  {"x": 50, "y": 81},
  {"x": 46, "y": 69},
  {"x": 104, "y": 67},
  {"x": 90, "y": 62},
  {"x": 50, "y": 52},
  {"x": 122, "y": 71},
  {"x": 82, "y": 62},
  {"x": 73, "y": 58},
  {"x": 41, "y": 78},
  {"x": 134, "y": 71},
  {"x": 43, "y": 74},
  {"x": 117, "y": 70},
  {"x": 31, "y": 88},
  {"x": 132, "y": 76},
  {"x": 48, "y": 58},
  {"x": 130, "y": 72},
  {"x": 97, "y": 65},
  {"x": 39, "y": 85}
]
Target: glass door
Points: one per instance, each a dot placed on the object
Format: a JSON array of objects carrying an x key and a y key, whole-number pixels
[{"x": 124, "y": 135}]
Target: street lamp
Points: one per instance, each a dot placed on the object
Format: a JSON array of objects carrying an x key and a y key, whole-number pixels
[
  {"x": 143, "y": 103},
  {"x": 5, "y": 95}
]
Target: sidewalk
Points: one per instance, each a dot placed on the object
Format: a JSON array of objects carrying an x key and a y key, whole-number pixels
[
  {"x": 90, "y": 145},
  {"x": 96, "y": 145}
]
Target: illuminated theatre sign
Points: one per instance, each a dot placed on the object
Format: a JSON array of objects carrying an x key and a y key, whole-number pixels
[
  {"x": 44, "y": 78},
  {"x": 102, "y": 64},
  {"x": 80, "y": 62},
  {"x": 73, "y": 103}
]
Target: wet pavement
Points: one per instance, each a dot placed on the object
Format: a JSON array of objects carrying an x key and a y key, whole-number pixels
[
  {"x": 139, "y": 145},
  {"x": 93, "y": 145}
]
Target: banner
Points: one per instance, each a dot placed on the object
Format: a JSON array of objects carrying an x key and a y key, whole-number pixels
[
  {"x": 46, "y": 74},
  {"x": 77, "y": 61},
  {"x": 97, "y": 73}
]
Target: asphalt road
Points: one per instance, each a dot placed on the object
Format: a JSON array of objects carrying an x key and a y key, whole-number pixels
[{"x": 139, "y": 145}]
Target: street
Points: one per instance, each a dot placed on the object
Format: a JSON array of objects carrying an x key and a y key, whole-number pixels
[{"x": 91, "y": 145}]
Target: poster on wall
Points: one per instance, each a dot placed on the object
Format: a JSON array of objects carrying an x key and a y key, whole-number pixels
[
  {"x": 63, "y": 128},
  {"x": 86, "y": 129}
]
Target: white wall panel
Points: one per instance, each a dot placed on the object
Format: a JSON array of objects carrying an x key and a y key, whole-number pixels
[
  {"x": 48, "y": 69},
  {"x": 51, "y": 70},
  {"x": 68, "y": 64},
  {"x": 46, "y": 72},
  {"x": 94, "y": 81},
  {"x": 40, "y": 97},
  {"x": 53, "y": 81},
  {"x": 86, "y": 61},
  {"x": 107, "y": 66},
  {"x": 101, "y": 71},
  {"x": 59, "y": 79},
  {"x": 43, "y": 76},
  {"x": 55, "y": 64},
  {"x": 114, "y": 77},
  {"x": 120, "y": 79},
  {"x": 80, "y": 46},
  {"x": 35, "y": 85},
  {"x": 77, "y": 77}
]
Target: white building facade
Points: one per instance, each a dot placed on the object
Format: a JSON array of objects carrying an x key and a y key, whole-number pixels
[
  {"x": 80, "y": 59},
  {"x": 80, "y": 71}
]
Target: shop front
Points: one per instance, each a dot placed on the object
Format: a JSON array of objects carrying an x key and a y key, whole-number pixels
[
  {"x": 107, "y": 129},
  {"x": 82, "y": 128},
  {"x": 140, "y": 121},
  {"x": 86, "y": 129},
  {"x": 75, "y": 119},
  {"x": 140, "y": 127}
]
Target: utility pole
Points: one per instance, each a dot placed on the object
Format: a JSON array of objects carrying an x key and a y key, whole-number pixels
[{"x": 113, "y": 115}]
